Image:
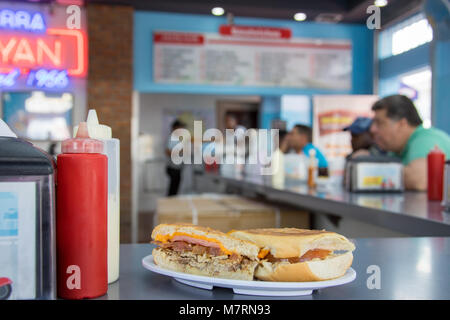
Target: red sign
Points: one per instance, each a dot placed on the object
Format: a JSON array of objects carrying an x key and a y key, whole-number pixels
[
  {"x": 255, "y": 32},
  {"x": 179, "y": 38},
  {"x": 55, "y": 49}
]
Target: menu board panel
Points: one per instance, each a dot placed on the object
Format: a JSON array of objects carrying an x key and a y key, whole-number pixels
[{"x": 218, "y": 59}]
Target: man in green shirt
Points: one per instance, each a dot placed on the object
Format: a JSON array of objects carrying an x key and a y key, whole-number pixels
[{"x": 397, "y": 127}]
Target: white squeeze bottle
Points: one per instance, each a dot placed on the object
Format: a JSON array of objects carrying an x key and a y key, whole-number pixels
[
  {"x": 278, "y": 169},
  {"x": 112, "y": 151}
]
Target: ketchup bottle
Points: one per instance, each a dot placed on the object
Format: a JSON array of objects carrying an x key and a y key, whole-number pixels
[
  {"x": 81, "y": 218},
  {"x": 436, "y": 162}
]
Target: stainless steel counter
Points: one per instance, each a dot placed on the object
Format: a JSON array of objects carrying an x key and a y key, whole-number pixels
[
  {"x": 410, "y": 268},
  {"x": 409, "y": 212}
]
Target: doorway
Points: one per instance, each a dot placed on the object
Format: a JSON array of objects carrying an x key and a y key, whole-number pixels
[{"x": 246, "y": 113}]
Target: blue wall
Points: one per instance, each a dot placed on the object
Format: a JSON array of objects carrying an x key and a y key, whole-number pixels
[
  {"x": 270, "y": 110},
  {"x": 437, "y": 10},
  {"x": 441, "y": 86},
  {"x": 146, "y": 22},
  {"x": 410, "y": 60},
  {"x": 391, "y": 68},
  {"x": 434, "y": 54}
]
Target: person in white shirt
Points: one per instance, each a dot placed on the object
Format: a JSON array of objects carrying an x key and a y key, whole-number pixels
[{"x": 240, "y": 149}]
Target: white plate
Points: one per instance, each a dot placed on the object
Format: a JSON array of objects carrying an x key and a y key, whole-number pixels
[{"x": 256, "y": 288}]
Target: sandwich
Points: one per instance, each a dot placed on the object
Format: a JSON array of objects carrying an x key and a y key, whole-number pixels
[
  {"x": 290, "y": 254},
  {"x": 203, "y": 251}
]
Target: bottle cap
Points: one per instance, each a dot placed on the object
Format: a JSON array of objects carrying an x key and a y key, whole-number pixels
[
  {"x": 95, "y": 129},
  {"x": 82, "y": 143},
  {"x": 436, "y": 149}
]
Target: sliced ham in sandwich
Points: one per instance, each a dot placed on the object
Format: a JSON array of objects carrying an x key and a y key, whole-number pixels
[{"x": 203, "y": 251}]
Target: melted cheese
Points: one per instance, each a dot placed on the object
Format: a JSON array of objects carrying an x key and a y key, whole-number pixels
[
  {"x": 263, "y": 253},
  {"x": 168, "y": 237}
]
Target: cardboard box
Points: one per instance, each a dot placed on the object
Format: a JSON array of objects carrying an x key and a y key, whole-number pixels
[{"x": 227, "y": 212}]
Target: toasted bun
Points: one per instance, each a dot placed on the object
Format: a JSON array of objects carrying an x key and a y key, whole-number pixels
[
  {"x": 314, "y": 270},
  {"x": 199, "y": 265},
  {"x": 292, "y": 242},
  {"x": 242, "y": 247}
]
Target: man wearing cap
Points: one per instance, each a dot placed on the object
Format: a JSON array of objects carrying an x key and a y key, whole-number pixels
[{"x": 362, "y": 141}]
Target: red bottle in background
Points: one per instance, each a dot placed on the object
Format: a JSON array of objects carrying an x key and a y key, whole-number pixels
[
  {"x": 436, "y": 162},
  {"x": 81, "y": 218}
]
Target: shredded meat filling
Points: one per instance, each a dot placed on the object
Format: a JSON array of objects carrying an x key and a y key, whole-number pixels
[{"x": 180, "y": 246}]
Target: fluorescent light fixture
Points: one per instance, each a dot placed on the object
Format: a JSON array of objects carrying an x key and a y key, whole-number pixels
[
  {"x": 217, "y": 11},
  {"x": 381, "y": 3},
  {"x": 300, "y": 16}
]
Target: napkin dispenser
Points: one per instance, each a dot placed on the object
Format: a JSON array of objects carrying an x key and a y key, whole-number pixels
[
  {"x": 27, "y": 221},
  {"x": 374, "y": 174},
  {"x": 446, "y": 197}
]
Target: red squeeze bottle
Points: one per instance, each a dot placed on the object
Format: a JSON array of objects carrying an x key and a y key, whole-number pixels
[
  {"x": 436, "y": 163},
  {"x": 81, "y": 218}
]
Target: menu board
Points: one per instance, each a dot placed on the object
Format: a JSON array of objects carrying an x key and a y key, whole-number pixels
[{"x": 217, "y": 59}]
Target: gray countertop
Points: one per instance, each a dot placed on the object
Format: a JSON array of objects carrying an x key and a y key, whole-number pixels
[
  {"x": 408, "y": 212},
  {"x": 410, "y": 268}
]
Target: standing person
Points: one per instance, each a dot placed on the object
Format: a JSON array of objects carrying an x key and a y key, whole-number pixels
[
  {"x": 300, "y": 139},
  {"x": 51, "y": 149},
  {"x": 397, "y": 127},
  {"x": 231, "y": 122},
  {"x": 240, "y": 148},
  {"x": 173, "y": 170}
]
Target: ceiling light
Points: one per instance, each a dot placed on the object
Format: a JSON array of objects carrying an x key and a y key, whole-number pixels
[
  {"x": 300, "y": 16},
  {"x": 381, "y": 3},
  {"x": 217, "y": 11}
]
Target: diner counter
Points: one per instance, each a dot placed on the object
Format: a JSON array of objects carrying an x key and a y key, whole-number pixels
[
  {"x": 409, "y": 213},
  {"x": 410, "y": 268}
]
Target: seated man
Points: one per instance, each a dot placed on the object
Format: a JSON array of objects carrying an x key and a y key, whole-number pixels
[
  {"x": 397, "y": 127},
  {"x": 300, "y": 139},
  {"x": 283, "y": 141},
  {"x": 362, "y": 140}
]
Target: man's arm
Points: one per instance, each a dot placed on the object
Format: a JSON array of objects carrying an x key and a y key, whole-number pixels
[{"x": 415, "y": 175}]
